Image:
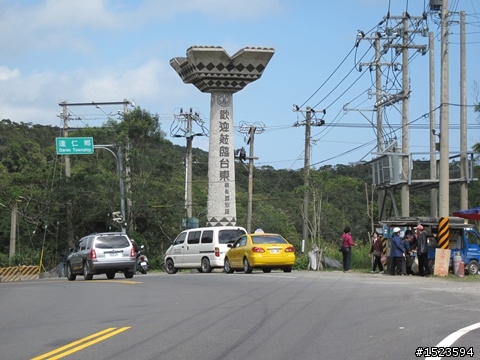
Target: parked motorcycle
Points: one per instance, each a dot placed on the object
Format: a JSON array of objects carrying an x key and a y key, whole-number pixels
[{"x": 142, "y": 261}]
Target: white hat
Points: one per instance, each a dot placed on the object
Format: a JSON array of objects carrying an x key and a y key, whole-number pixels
[{"x": 397, "y": 229}]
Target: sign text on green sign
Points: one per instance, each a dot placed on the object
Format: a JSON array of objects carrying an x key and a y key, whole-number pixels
[{"x": 74, "y": 146}]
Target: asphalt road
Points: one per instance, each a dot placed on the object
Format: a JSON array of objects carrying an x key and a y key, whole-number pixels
[{"x": 217, "y": 316}]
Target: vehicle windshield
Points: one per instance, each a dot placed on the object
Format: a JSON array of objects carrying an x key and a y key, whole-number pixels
[
  {"x": 229, "y": 236},
  {"x": 271, "y": 239},
  {"x": 111, "y": 242},
  {"x": 473, "y": 238}
]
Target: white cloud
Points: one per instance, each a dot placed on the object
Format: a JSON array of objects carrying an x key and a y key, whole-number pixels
[{"x": 6, "y": 73}]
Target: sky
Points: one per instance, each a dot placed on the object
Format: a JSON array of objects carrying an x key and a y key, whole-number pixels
[{"x": 110, "y": 50}]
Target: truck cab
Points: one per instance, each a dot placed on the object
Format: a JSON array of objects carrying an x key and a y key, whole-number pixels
[{"x": 464, "y": 240}]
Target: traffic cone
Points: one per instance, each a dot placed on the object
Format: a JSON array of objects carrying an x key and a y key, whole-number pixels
[{"x": 461, "y": 269}]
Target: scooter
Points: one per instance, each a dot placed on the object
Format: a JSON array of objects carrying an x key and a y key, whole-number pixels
[{"x": 142, "y": 261}]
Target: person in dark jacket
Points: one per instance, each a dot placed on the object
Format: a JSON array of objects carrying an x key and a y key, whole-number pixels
[
  {"x": 397, "y": 253},
  {"x": 347, "y": 244},
  {"x": 409, "y": 258},
  {"x": 422, "y": 251}
]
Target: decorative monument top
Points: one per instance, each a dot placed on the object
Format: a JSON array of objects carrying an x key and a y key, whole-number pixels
[{"x": 212, "y": 69}]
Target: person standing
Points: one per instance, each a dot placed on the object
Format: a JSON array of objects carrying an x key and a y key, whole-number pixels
[
  {"x": 409, "y": 259},
  {"x": 422, "y": 251},
  {"x": 397, "y": 253},
  {"x": 347, "y": 244},
  {"x": 376, "y": 251},
  {"x": 62, "y": 267}
]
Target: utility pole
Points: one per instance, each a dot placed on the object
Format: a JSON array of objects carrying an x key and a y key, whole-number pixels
[
  {"x": 433, "y": 148},
  {"x": 404, "y": 95},
  {"x": 127, "y": 214},
  {"x": 463, "y": 116},
  {"x": 188, "y": 169},
  {"x": 389, "y": 36},
  {"x": 405, "y": 190},
  {"x": 251, "y": 158},
  {"x": 379, "y": 102},
  {"x": 64, "y": 104},
  {"x": 185, "y": 129},
  {"x": 306, "y": 165},
  {"x": 306, "y": 170},
  {"x": 251, "y": 130},
  {"x": 65, "y": 117},
  {"x": 13, "y": 229},
  {"x": 250, "y": 179},
  {"x": 380, "y": 148},
  {"x": 444, "y": 177}
]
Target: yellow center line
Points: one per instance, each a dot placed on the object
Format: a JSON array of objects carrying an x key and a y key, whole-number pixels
[
  {"x": 128, "y": 282},
  {"x": 82, "y": 343}
]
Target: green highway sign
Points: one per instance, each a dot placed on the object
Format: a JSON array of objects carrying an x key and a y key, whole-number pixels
[{"x": 74, "y": 145}]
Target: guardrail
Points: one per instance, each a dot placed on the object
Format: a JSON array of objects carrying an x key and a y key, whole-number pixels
[{"x": 19, "y": 273}]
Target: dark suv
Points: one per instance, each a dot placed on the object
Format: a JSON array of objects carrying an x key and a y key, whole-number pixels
[{"x": 102, "y": 253}]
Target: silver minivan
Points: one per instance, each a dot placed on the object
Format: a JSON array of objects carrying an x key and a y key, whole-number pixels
[
  {"x": 102, "y": 253},
  {"x": 201, "y": 248}
]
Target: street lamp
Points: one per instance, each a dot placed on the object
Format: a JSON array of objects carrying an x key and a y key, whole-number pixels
[{"x": 119, "y": 160}]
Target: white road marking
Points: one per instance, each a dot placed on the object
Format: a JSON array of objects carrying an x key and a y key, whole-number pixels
[{"x": 450, "y": 339}]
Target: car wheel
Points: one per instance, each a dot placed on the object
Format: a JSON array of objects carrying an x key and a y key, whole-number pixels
[
  {"x": 226, "y": 266},
  {"x": 287, "y": 269},
  {"x": 170, "y": 267},
  {"x": 70, "y": 276},
  {"x": 128, "y": 274},
  {"x": 206, "y": 268},
  {"x": 266, "y": 270},
  {"x": 472, "y": 267},
  {"x": 86, "y": 273},
  {"x": 246, "y": 266},
  {"x": 110, "y": 274}
]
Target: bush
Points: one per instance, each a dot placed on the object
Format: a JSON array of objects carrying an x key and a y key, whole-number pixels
[
  {"x": 360, "y": 259},
  {"x": 301, "y": 262}
]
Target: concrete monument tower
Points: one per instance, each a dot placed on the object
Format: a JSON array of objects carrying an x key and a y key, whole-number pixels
[{"x": 212, "y": 70}]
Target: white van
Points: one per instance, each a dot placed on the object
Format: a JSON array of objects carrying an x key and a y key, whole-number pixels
[{"x": 201, "y": 248}]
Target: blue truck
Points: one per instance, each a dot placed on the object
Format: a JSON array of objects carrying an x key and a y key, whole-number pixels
[{"x": 464, "y": 239}]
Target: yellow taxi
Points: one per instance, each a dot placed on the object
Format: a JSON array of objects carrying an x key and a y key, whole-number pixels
[{"x": 259, "y": 250}]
